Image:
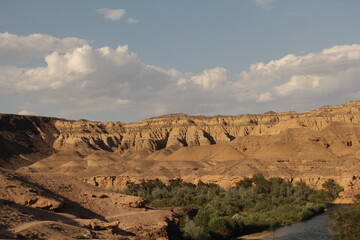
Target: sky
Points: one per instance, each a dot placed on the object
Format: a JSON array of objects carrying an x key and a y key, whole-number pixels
[{"x": 128, "y": 60}]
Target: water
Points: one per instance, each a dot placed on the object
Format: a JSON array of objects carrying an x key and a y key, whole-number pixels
[{"x": 316, "y": 228}]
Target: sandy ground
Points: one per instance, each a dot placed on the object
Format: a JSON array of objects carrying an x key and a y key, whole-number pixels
[{"x": 84, "y": 211}]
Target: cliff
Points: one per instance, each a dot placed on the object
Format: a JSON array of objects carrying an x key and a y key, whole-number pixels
[
  {"x": 315, "y": 145},
  {"x": 183, "y": 130}
]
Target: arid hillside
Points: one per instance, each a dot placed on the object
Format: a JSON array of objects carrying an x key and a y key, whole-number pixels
[
  {"x": 312, "y": 146},
  {"x": 52, "y": 206}
]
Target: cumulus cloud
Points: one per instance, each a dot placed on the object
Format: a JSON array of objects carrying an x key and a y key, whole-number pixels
[
  {"x": 81, "y": 81},
  {"x": 22, "y": 48},
  {"x": 83, "y": 68},
  {"x": 332, "y": 70},
  {"x": 298, "y": 83},
  {"x": 210, "y": 78},
  {"x": 61, "y": 69},
  {"x": 85, "y": 76},
  {"x": 112, "y": 14},
  {"x": 264, "y": 97}
]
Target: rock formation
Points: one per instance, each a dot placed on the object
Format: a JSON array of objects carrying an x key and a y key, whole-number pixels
[
  {"x": 45, "y": 161},
  {"x": 53, "y": 206},
  {"x": 318, "y": 144}
]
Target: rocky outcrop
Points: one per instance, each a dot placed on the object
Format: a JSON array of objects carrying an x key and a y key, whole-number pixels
[
  {"x": 16, "y": 189},
  {"x": 156, "y": 224},
  {"x": 26, "y": 139},
  {"x": 319, "y": 143},
  {"x": 54, "y": 206},
  {"x": 109, "y": 182},
  {"x": 183, "y": 130},
  {"x": 101, "y": 225}
]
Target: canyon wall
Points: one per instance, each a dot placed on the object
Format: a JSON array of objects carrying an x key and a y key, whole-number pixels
[
  {"x": 318, "y": 144},
  {"x": 28, "y": 134}
]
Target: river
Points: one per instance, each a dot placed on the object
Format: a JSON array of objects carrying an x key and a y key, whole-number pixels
[{"x": 316, "y": 228}]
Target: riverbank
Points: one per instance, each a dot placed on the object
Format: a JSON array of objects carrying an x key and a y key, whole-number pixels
[{"x": 255, "y": 236}]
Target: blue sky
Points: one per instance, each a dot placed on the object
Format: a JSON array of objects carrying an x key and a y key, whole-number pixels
[{"x": 197, "y": 57}]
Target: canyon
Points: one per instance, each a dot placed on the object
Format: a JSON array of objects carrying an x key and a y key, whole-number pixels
[{"x": 50, "y": 163}]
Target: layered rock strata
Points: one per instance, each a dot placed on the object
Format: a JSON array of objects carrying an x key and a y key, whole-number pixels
[
  {"x": 312, "y": 146},
  {"x": 29, "y": 138}
]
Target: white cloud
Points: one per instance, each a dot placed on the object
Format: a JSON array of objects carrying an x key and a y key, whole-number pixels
[
  {"x": 85, "y": 79},
  {"x": 132, "y": 20},
  {"x": 85, "y": 68},
  {"x": 61, "y": 69},
  {"x": 112, "y": 14},
  {"x": 333, "y": 70},
  {"x": 114, "y": 84},
  {"x": 181, "y": 81},
  {"x": 209, "y": 78},
  {"x": 264, "y": 3},
  {"x": 25, "y": 112},
  {"x": 21, "y": 48},
  {"x": 264, "y": 97},
  {"x": 298, "y": 83}
]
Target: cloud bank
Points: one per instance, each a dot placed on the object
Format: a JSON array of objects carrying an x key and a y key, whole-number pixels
[
  {"x": 21, "y": 48},
  {"x": 79, "y": 81},
  {"x": 334, "y": 70}
]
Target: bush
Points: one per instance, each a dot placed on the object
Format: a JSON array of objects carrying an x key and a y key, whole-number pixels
[
  {"x": 346, "y": 223},
  {"x": 253, "y": 204},
  {"x": 220, "y": 226},
  {"x": 194, "y": 231}
]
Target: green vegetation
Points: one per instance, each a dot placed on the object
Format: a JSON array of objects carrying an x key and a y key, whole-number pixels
[
  {"x": 346, "y": 222},
  {"x": 252, "y": 205}
]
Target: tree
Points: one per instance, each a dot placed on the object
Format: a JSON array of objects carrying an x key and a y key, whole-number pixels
[
  {"x": 262, "y": 185},
  {"x": 193, "y": 231},
  {"x": 245, "y": 183},
  {"x": 332, "y": 188},
  {"x": 254, "y": 204}
]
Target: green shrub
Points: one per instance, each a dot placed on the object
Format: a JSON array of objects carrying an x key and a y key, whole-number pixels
[
  {"x": 253, "y": 204},
  {"x": 345, "y": 223},
  {"x": 193, "y": 231},
  {"x": 220, "y": 226}
]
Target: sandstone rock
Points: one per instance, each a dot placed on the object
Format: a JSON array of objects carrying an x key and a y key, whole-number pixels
[
  {"x": 100, "y": 225},
  {"x": 18, "y": 190},
  {"x": 319, "y": 143},
  {"x": 86, "y": 137}
]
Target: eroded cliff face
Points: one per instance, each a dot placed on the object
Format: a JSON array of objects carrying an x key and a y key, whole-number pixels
[
  {"x": 182, "y": 130},
  {"x": 319, "y": 144},
  {"x": 25, "y": 139}
]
